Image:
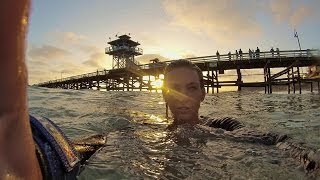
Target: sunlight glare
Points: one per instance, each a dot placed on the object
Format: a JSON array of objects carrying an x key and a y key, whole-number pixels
[{"x": 157, "y": 83}]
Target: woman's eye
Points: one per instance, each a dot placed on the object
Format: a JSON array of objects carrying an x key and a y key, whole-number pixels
[{"x": 193, "y": 88}]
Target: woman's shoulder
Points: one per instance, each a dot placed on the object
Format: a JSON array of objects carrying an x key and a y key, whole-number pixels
[{"x": 226, "y": 123}]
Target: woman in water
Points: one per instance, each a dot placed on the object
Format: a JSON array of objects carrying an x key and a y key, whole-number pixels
[{"x": 183, "y": 91}]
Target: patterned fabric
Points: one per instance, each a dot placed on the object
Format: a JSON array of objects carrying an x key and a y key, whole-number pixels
[
  {"x": 56, "y": 155},
  {"x": 227, "y": 123}
]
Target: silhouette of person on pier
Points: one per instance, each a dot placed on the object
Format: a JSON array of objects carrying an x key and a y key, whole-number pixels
[
  {"x": 240, "y": 53},
  {"x": 250, "y": 54},
  {"x": 278, "y": 52},
  {"x": 237, "y": 55},
  {"x": 308, "y": 53},
  {"x": 272, "y": 51},
  {"x": 253, "y": 54},
  {"x": 229, "y": 55},
  {"x": 218, "y": 55},
  {"x": 257, "y": 53}
]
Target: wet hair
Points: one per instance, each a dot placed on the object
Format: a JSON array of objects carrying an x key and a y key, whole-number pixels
[{"x": 182, "y": 63}]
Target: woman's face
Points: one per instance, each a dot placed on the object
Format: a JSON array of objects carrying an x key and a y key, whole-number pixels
[{"x": 183, "y": 94}]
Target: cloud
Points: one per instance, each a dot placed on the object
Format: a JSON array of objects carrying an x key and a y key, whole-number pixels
[
  {"x": 233, "y": 21},
  {"x": 67, "y": 37},
  {"x": 37, "y": 63},
  {"x": 291, "y": 12},
  {"x": 98, "y": 60},
  {"x": 48, "y": 62},
  {"x": 73, "y": 69},
  {"x": 148, "y": 38},
  {"x": 221, "y": 20},
  {"x": 54, "y": 58},
  {"x": 189, "y": 56},
  {"x": 47, "y": 52},
  {"x": 280, "y": 9},
  {"x": 89, "y": 48},
  {"x": 72, "y": 36},
  {"x": 300, "y": 14},
  {"x": 41, "y": 72}
]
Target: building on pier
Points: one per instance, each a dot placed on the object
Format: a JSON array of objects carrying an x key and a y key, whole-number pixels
[{"x": 123, "y": 50}]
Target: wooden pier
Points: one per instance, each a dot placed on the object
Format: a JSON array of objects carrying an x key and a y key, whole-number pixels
[
  {"x": 128, "y": 75},
  {"x": 138, "y": 77}
]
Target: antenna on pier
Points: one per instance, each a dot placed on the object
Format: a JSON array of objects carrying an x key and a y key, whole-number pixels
[{"x": 297, "y": 36}]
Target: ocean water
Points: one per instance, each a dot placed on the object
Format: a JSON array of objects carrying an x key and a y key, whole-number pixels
[{"x": 140, "y": 146}]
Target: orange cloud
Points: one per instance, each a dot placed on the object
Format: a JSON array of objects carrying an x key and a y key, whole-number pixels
[
  {"x": 300, "y": 14},
  {"x": 67, "y": 37},
  {"x": 47, "y": 52},
  {"x": 99, "y": 61},
  {"x": 66, "y": 54},
  {"x": 291, "y": 12},
  {"x": 221, "y": 20},
  {"x": 48, "y": 62},
  {"x": 280, "y": 10}
]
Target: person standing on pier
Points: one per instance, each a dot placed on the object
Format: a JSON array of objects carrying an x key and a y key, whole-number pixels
[
  {"x": 237, "y": 54},
  {"x": 308, "y": 53},
  {"x": 257, "y": 53},
  {"x": 272, "y": 51},
  {"x": 240, "y": 53},
  {"x": 218, "y": 55},
  {"x": 250, "y": 54},
  {"x": 229, "y": 55},
  {"x": 278, "y": 52}
]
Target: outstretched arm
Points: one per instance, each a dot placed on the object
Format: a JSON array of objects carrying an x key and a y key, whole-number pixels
[{"x": 17, "y": 152}]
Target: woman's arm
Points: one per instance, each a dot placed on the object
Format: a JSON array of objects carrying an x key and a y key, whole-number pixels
[{"x": 17, "y": 149}]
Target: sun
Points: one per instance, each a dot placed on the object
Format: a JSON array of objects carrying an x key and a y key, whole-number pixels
[{"x": 157, "y": 83}]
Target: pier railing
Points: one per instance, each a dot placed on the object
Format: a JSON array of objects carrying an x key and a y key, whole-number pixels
[
  {"x": 87, "y": 75},
  {"x": 127, "y": 48},
  {"x": 244, "y": 56}
]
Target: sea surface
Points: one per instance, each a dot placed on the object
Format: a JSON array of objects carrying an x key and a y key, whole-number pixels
[{"x": 140, "y": 146}]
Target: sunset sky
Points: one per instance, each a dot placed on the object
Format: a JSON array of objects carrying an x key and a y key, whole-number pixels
[{"x": 68, "y": 38}]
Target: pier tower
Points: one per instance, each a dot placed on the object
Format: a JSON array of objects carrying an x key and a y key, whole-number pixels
[{"x": 123, "y": 51}]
